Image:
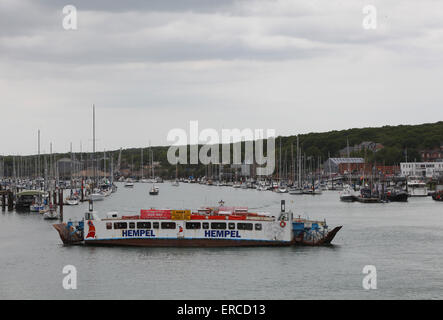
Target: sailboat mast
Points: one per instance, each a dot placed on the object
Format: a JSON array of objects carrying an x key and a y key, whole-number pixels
[
  {"x": 93, "y": 146},
  {"x": 141, "y": 165},
  {"x": 349, "y": 169}
]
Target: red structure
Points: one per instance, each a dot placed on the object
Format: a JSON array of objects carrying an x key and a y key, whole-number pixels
[
  {"x": 432, "y": 155},
  {"x": 367, "y": 168}
]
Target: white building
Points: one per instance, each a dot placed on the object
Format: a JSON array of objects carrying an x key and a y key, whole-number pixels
[{"x": 421, "y": 169}]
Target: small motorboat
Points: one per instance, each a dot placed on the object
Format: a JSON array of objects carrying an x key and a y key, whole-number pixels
[
  {"x": 397, "y": 196},
  {"x": 96, "y": 196},
  {"x": 175, "y": 183},
  {"x": 36, "y": 207},
  {"x": 154, "y": 191},
  {"x": 129, "y": 184},
  {"x": 312, "y": 190},
  {"x": 282, "y": 190},
  {"x": 348, "y": 195},
  {"x": 438, "y": 196},
  {"x": 72, "y": 200},
  {"x": 51, "y": 214},
  {"x": 296, "y": 191}
]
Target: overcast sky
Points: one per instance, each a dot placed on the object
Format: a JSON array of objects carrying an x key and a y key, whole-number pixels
[{"x": 150, "y": 66}]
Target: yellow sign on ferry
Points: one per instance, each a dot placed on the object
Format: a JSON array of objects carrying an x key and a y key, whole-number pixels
[{"x": 180, "y": 214}]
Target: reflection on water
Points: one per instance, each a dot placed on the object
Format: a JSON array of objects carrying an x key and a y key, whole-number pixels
[{"x": 403, "y": 240}]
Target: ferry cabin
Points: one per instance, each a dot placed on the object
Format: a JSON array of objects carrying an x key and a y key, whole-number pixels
[{"x": 193, "y": 230}]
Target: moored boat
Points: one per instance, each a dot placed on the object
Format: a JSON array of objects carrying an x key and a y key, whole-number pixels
[
  {"x": 438, "y": 195},
  {"x": 348, "y": 195},
  {"x": 154, "y": 190},
  {"x": 397, "y": 195},
  {"x": 417, "y": 188}
]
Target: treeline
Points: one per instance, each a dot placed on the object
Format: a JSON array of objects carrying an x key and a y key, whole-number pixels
[{"x": 397, "y": 141}]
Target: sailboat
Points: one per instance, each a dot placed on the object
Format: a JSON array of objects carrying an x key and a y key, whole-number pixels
[
  {"x": 348, "y": 194},
  {"x": 129, "y": 183},
  {"x": 154, "y": 190},
  {"x": 176, "y": 183},
  {"x": 298, "y": 189}
]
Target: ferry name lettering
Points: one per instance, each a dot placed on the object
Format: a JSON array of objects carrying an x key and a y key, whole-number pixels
[
  {"x": 222, "y": 234},
  {"x": 138, "y": 233}
]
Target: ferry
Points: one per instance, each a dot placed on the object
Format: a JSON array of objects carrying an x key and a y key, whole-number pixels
[{"x": 207, "y": 227}]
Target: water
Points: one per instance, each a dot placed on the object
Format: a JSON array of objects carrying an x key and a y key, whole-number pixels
[{"x": 402, "y": 240}]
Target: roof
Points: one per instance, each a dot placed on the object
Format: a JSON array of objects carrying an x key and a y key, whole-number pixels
[{"x": 346, "y": 160}]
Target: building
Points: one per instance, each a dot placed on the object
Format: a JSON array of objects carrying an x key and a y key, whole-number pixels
[
  {"x": 368, "y": 169},
  {"x": 334, "y": 165},
  {"x": 422, "y": 169},
  {"x": 433, "y": 155},
  {"x": 365, "y": 145}
]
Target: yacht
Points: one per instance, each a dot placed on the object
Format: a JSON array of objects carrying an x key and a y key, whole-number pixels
[{"x": 417, "y": 188}]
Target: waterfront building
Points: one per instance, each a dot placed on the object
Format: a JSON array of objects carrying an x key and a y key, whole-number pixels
[
  {"x": 365, "y": 145},
  {"x": 432, "y": 155},
  {"x": 422, "y": 169},
  {"x": 333, "y": 165}
]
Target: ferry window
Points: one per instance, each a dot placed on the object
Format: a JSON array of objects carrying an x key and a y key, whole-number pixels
[
  {"x": 258, "y": 226},
  {"x": 155, "y": 225},
  {"x": 108, "y": 225},
  {"x": 120, "y": 225},
  {"x": 205, "y": 225},
  {"x": 244, "y": 226},
  {"x": 231, "y": 226},
  {"x": 193, "y": 225},
  {"x": 131, "y": 225},
  {"x": 218, "y": 225},
  {"x": 168, "y": 225},
  {"x": 143, "y": 225}
]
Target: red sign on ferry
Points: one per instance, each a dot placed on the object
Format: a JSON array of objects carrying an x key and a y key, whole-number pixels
[{"x": 155, "y": 214}]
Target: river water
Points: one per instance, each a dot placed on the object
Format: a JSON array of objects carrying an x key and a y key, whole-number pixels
[{"x": 402, "y": 240}]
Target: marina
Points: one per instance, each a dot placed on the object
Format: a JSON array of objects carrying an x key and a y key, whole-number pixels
[
  {"x": 410, "y": 229},
  {"x": 209, "y": 152}
]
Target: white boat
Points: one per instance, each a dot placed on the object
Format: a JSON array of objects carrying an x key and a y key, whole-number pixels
[
  {"x": 154, "y": 190},
  {"x": 72, "y": 201},
  {"x": 52, "y": 214},
  {"x": 296, "y": 191},
  {"x": 129, "y": 184},
  {"x": 175, "y": 183},
  {"x": 282, "y": 190},
  {"x": 348, "y": 195},
  {"x": 96, "y": 196},
  {"x": 312, "y": 190},
  {"x": 36, "y": 207},
  {"x": 417, "y": 188}
]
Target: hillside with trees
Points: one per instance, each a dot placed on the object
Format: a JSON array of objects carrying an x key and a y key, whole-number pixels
[{"x": 397, "y": 141}]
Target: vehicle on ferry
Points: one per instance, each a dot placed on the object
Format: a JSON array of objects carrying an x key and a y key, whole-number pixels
[{"x": 207, "y": 227}]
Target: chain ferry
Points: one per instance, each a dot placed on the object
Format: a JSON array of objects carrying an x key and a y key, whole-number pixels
[{"x": 207, "y": 227}]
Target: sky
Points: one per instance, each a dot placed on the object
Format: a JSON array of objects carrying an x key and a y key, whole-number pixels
[{"x": 152, "y": 66}]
